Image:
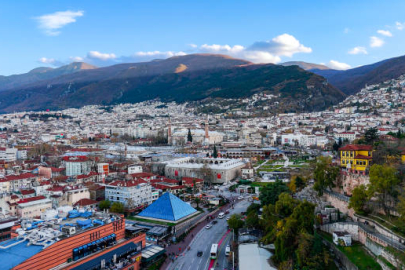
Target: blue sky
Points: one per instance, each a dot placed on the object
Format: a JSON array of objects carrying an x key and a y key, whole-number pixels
[{"x": 340, "y": 34}]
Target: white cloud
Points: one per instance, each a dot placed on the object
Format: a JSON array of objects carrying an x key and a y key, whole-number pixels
[
  {"x": 338, "y": 65},
  {"x": 76, "y": 59},
  {"x": 346, "y": 30},
  {"x": 46, "y": 60},
  {"x": 385, "y": 33},
  {"x": 101, "y": 56},
  {"x": 50, "y": 61},
  {"x": 282, "y": 45},
  {"x": 159, "y": 54},
  {"x": 215, "y": 48},
  {"x": 192, "y": 45},
  {"x": 358, "y": 50},
  {"x": 50, "y": 23},
  {"x": 261, "y": 52},
  {"x": 376, "y": 42},
  {"x": 399, "y": 25}
]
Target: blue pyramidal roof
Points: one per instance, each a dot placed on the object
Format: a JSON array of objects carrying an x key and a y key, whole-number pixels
[{"x": 168, "y": 207}]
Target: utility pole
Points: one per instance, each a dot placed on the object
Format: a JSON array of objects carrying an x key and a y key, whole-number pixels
[{"x": 233, "y": 253}]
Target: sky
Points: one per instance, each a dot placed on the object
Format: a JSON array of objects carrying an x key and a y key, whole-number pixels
[{"x": 340, "y": 34}]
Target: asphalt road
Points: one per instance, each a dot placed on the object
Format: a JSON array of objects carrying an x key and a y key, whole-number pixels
[{"x": 188, "y": 260}]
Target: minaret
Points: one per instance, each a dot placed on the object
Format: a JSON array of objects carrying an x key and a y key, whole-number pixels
[
  {"x": 207, "y": 137},
  {"x": 169, "y": 133}
]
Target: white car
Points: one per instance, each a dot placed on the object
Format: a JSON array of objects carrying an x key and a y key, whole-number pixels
[
  {"x": 240, "y": 197},
  {"x": 209, "y": 226},
  {"x": 227, "y": 218}
]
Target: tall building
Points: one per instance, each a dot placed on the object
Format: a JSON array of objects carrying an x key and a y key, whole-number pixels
[{"x": 77, "y": 165}]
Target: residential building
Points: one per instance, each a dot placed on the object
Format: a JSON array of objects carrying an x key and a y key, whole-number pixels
[
  {"x": 132, "y": 193},
  {"x": 356, "y": 158},
  {"x": 76, "y": 165}
]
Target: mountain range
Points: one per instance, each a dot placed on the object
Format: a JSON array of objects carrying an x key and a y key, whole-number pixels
[
  {"x": 299, "y": 86},
  {"x": 353, "y": 80},
  {"x": 195, "y": 77}
]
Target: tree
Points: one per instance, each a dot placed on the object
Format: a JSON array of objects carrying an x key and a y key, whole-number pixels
[
  {"x": 384, "y": 182},
  {"x": 371, "y": 135},
  {"x": 197, "y": 201},
  {"x": 215, "y": 153},
  {"x": 359, "y": 199},
  {"x": 117, "y": 207},
  {"x": 252, "y": 220},
  {"x": 206, "y": 173},
  {"x": 271, "y": 192},
  {"x": 189, "y": 136},
  {"x": 401, "y": 209},
  {"x": 235, "y": 222},
  {"x": 285, "y": 205},
  {"x": 325, "y": 174},
  {"x": 104, "y": 205}
]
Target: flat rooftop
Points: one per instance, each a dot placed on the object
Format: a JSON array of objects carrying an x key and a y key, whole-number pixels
[{"x": 17, "y": 254}]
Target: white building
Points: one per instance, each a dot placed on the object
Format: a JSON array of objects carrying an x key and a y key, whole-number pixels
[
  {"x": 179, "y": 137},
  {"x": 8, "y": 154},
  {"x": 134, "y": 169},
  {"x": 223, "y": 170},
  {"x": 132, "y": 193},
  {"x": 350, "y": 136},
  {"x": 33, "y": 207},
  {"x": 77, "y": 165},
  {"x": 342, "y": 238}
]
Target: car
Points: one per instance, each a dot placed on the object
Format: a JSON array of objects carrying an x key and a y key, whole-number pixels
[
  {"x": 209, "y": 226},
  {"x": 227, "y": 212},
  {"x": 227, "y": 250},
  {"x": 240, "y": 197},
  {"x": 227, "y": 218},
  {"x": 199, "y": 253},
  {"x": 214, "y": 222}
]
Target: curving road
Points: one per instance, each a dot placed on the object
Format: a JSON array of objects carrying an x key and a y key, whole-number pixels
[{"x": 203, "y": 240}]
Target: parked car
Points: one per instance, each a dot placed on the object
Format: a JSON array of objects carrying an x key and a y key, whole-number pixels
[
  {"x": 209, "y": 226},
  {"x": 199, "y": 253}
]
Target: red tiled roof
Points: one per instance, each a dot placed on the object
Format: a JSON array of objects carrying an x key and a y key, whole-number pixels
[
  {"x": 85, "y": 202},
  {"x": 190, "y": 180},
  {"x": 76, "y": 159},
  {"x": 129, "y": 183},
  {"x": 27, "y": 191},
  {"x": 56, "y": 188},
  {"x": 356, "y": 147},
  {"x": 32, "y": 199},
  {"x": 143, "y": 174},
  {"x": 17, "y": 177},
  {"x": 86, "y": 150}
]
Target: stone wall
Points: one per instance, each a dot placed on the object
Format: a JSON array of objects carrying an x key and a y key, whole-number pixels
[
  {"x": 351, "y": 228},
  {"x": 373, "y": 247},
  {"x": 352, "y": 180},
  {"x": 339, "y": 203},
  {"x": 341, "y": 257}
]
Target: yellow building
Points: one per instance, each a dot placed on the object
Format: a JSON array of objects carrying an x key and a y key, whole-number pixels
[{"x": 356, "y": 157}]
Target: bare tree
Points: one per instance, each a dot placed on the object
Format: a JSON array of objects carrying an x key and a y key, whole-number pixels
[{"x": 207, "y": 174}]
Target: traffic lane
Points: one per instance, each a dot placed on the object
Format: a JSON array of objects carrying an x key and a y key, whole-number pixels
[{"x": 203, "y": 241}]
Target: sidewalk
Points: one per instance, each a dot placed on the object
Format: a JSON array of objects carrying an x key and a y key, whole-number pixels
[{"x": 179, "y": 248}]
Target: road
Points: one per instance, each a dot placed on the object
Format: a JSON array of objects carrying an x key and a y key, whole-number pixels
[{"x": 188, "y": 260}]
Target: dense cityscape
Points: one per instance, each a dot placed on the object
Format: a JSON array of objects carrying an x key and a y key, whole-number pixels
[{"x": 147, "y": 135}]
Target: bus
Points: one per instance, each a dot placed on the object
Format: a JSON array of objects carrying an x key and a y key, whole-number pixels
[{"x": 214, "y": 251}]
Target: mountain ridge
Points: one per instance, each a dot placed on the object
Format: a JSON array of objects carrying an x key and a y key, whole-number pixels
[{"x": 205, "y": 76}]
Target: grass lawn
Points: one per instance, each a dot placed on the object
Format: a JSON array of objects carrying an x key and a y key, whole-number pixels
[
  {"x": 151, "y": 221},
  {"x": 259, "y": 184},
  {"x": 356, "y": 254}
]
